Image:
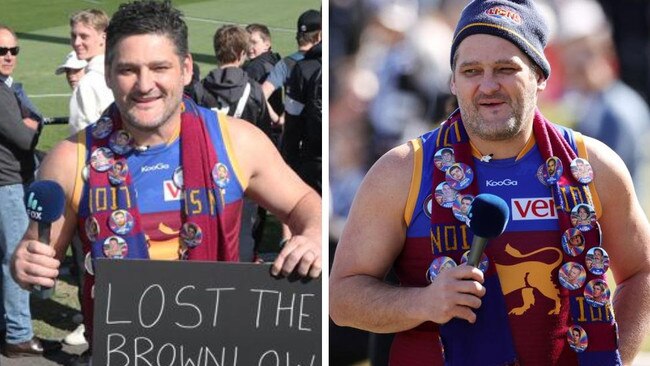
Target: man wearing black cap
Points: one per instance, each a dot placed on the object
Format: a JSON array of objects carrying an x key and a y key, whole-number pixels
[{"x": 517, "y": 311}]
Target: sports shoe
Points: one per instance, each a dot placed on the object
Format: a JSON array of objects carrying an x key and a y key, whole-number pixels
[{"x": 76, "y": 338}]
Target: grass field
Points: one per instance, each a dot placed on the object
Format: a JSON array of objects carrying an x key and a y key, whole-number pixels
[{"x": 43, "y": 32}]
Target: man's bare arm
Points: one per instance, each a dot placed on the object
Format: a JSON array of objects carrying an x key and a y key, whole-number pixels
[
  {"x": 626, "y": 238},
  {"x": 276, "y": 187},
  {"x": 371, "y": 241}
]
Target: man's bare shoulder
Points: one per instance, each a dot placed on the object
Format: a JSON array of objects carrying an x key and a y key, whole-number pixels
[
  {"x": 394, "y": 168},
  {"x": 60, "y": 164},
  {"x": 608, "y": 166}
]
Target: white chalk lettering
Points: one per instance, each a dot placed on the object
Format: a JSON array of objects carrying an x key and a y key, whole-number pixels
[
  {"x": 140, "y": 355},
  {"x": 285, "y": 308},
  {"x": 188, "y": 361},
  {"x": 216, "y": 303},
  {"x": 303, "y": 314},
  {"x": 111, "y": 350},
  {"x": 198, "y": 311},
  {"x": 162, "y": 306},
  {"x": 160, "y": 352},
  {"x": 108, "y": 309},
  {"x": 272, "y": 353}
]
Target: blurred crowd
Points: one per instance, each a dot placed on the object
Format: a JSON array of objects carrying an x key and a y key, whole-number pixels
[{"x": 389, "y": 82}]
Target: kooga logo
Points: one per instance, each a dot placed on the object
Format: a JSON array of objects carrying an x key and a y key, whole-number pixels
[
  {"x": 151, "y": 168},
  {"x": 500, "y": 183}
]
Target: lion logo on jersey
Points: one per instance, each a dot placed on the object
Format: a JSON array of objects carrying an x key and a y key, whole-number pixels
[{"x": 526, "y": 276}]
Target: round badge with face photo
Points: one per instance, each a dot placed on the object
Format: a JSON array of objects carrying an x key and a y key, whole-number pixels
[
  {"x": 572, "y": 275},
  {"x": 92, "y": 228},
  {"x": 583, "y": 217},
  {"x": 573, "y": 242},
  {"x": 445, "y": 195},
  {"x": 553, "y": 169},
  {"x": 89, "y": 264},
  {"x": 191, "y": 235},
  {"x": 102, "y": 128},
  {"x": 483, "y": 263},
  {"x": 121, "y": 142},
  {"x": 177, "y": 177},
  {"x": 438, "y": 265},
  {"x": 577, "y": 338},
  {"x": 120, "y": 222},
  {"x": 461, "y": 205},
  {"x": 221, "y": 175},
  {"x": 459, "y": 176},
  {"x": 597, "y": 261},
  {"x": 115, "y": 247},
  {"x": 117, "y": 174},
  {"x": 444, "y": 158},
  {"x": 597, "y": 293},
  {"x": 102, "y": 159},
  {"x": 582, "y": 171},
  {"x": 540, "y": 174}
]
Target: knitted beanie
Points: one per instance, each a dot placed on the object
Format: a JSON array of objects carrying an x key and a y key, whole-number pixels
[{"x": 518, "y": 21}]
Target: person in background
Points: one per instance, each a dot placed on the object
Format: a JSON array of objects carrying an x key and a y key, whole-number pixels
[
  {"x": 19, "y": 130},
  {"x": 73, "y": 68},
  {"x": 92, "y": 96}
]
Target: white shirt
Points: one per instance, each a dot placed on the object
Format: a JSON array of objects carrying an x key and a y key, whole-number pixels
[{"x": 91, "y": 96}]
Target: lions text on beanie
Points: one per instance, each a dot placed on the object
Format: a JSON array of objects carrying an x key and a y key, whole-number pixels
[{"x": 518, "y": 21}]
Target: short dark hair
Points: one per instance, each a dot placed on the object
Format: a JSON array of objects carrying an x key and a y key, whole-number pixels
[
  {"x": 229, "y": 42},
  {"x": 304, "y": 38},
  {"x": 147, "y": 17},
  {"x": 263, "y": 30}
]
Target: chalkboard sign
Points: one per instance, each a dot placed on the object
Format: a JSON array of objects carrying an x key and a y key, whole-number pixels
[{"x": 203, "y": 313}]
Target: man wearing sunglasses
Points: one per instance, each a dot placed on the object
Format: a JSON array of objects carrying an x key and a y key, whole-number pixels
[{"x": 19, "y": 131}]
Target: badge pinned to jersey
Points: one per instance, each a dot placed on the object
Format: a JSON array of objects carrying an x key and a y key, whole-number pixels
[
  {"x": 115, "y": 247},
  {"x": 121, "y": 142},
  {"x": 117, "y": 174},
  {"x": 483, "y": 263},
  {"x": 102, "y": 128},
  {"x": 597, "y": 261},
  {"x": 572, "y": 275},
  {"x": 583, "y": 217},
  {"x": 552, "y": 170},
  {"x": 582, "y": 171},
  {"x": 221, "y": 175},
  {"x": 444, "y": 158},
  {"x": 597, "y": 293},
  {"x": 577, "y": 338},
  {"x": 92, "y": 228},
  {"x": 191, "y": 235},
  {"x": 85, "y": 172},
  {"x": 459, "y": 176},
  {"x": 445, "y": 195},
  {"x": 89, "y": 264},
  {"x": 121, "y": 222},
  {"x": 438, "y": 265},
  {"x": 573, "y": 242},
  {"x": 102, "y": 159},
  {"x": 177, "y": 177},
  {"x": 460, "y": 207}
]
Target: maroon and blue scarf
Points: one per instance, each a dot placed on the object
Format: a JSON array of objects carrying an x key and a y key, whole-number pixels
[{"x": 490, "y": 340}]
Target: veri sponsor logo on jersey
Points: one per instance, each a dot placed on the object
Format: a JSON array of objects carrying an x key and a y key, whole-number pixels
[
  {"x": 541, "y": 208},
  {"x": 172, "y": 193}
]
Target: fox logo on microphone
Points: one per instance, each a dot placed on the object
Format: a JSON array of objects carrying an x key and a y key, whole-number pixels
[
  {"x": 34, "y": 211},
  {"x": 45, "y": 201}
]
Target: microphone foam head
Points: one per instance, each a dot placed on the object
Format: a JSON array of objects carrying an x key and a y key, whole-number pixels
[
  {"x": 45, "y": 201},
  {"x": 488, "y": 216}
]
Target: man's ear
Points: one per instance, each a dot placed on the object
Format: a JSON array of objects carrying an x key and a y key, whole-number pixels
[
  {"x": 541, "y": 82},
  {"x": 452, "y": 85}
]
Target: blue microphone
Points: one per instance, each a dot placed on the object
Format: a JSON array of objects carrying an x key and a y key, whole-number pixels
[
  {"x": 45, "y": 202},
  {"x": 487, "y": 218}
]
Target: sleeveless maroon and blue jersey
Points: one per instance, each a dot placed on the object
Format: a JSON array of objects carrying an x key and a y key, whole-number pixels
[
  {"x": 158, "y": 198},
  {"x": 526, "y": 258}
]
